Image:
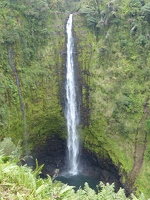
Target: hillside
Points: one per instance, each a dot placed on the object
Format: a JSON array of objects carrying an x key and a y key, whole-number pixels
[{"x": 112, "y": 42}]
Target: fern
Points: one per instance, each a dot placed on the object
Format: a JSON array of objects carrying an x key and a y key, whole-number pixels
[{"x": 21, "y": 182}]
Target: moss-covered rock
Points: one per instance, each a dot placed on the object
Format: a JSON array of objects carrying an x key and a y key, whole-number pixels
[
  {"x": 112, "y": 51},
  {"x": 117, "y": 97}
]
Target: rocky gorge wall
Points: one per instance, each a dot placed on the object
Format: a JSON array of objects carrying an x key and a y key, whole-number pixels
[
  {"x": 118, "y": 105},
  {"x": 30, "y": 106},
  {"x": 113, "y": 78}
]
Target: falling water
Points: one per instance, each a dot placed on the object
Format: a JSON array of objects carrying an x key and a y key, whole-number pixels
[{"x": 71, "y": 105}]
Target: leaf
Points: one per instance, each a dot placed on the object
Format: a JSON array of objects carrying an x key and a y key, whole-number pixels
[
  {"x": 38, "y": 168},
  {"x": 10, "y": 168},
  {"x": 19, "y": 196},
  {"x": 67, "y": 188},
  {"x": 40, "y": 189}
]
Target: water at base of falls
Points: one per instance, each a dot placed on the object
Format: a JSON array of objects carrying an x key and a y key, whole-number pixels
[{"x": 79, "y": 181}]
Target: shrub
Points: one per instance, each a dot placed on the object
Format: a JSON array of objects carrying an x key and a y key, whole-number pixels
[{"x": 8, "y": 148}]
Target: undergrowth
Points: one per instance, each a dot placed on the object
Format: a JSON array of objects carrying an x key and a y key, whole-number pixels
[{"x": 22, "y": 183}]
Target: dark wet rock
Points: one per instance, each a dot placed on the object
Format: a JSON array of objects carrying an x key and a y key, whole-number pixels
[
  {"x": 28, "y": 160},
  {"x": 53, "y": 156},
  {"x": 102, "y": 168}
]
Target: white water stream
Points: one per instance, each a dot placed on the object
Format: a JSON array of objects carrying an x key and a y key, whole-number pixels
[{"x": 71, "y": 105}]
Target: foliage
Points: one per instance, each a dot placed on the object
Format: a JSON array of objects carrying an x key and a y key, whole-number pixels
[
  {"x": 112, "y": 42},
  {"x": 29, "y": 30},
  {"x": 114, "y": 50},
  {"x": 8, "y": 148},
  {"x": 20, "y": 182},
  {"x": 145, "y": 10}
]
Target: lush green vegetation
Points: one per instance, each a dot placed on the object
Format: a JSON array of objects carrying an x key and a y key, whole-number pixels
[
  {"x": 32, "y": 41},
  {"x": 112, "y": 43},
  {"x": 114, "y": 56},
  {"x": 21, "y": 182}
]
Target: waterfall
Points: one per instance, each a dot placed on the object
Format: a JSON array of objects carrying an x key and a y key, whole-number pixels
[{"x": 72, "y": 115}]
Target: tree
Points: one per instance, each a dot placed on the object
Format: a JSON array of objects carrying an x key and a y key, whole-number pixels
[{"x": 145, "y": 10}]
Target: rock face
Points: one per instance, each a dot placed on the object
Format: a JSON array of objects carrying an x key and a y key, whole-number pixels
[
  {"x": 53, "y": 156},
  {"x": 102, "y": 168}
]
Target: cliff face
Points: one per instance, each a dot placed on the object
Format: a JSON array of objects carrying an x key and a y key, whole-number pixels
[
  {"x": 114, "y": 64},
  {"x": 112, "y": 61},
  {"x": 32, "y": 67}
]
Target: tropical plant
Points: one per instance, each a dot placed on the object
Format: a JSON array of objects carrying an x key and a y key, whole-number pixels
[
  {"x": 8, "y": 148},
  {"x": 20, "y": 183},
  {"x": 145, "y": 10}
]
